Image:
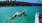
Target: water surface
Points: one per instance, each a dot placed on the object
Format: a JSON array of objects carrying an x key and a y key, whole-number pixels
[{"x": 7, "y": 11}]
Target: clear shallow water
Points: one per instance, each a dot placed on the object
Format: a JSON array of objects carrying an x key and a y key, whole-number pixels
[{"x": 7, "y": 11}]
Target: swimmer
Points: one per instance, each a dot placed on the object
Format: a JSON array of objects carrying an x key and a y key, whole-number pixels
[{"x": 18, "y": 14}]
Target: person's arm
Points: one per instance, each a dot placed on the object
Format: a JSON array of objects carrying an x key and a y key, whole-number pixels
[{"x": 13, "y": 17}]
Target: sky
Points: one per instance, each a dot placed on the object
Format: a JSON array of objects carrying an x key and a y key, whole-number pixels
[{"x": 32, "y": 1}]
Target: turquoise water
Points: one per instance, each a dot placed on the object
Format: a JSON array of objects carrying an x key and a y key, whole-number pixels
[{"x": 7, "y": 11}]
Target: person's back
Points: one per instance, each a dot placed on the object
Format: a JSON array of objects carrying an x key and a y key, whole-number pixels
[{"x": 40, "y": 18}]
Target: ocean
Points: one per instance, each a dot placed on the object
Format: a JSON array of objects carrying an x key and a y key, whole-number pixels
[{"x": 6, "y": 12}]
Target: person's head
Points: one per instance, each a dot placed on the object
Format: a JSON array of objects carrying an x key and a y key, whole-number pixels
[
  {"x": 40, "y": 14},
  {"x": 24, "y": 12}
]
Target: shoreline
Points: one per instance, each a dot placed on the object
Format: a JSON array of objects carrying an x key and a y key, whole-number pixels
[{"x": 19, "y": 4}]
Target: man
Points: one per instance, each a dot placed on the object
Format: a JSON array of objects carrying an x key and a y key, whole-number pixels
[
  {"x": 18, "y": 14},
  {"x": 40, "y": 18}
]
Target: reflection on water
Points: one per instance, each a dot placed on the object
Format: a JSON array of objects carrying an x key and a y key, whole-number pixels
[{"x": 7, "y": 11}]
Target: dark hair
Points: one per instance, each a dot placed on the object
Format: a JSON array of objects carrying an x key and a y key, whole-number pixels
[{"x": 40, "y": 14}]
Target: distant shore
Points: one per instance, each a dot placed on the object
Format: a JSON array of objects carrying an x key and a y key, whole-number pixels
[{"x": 19, "y": 4}]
